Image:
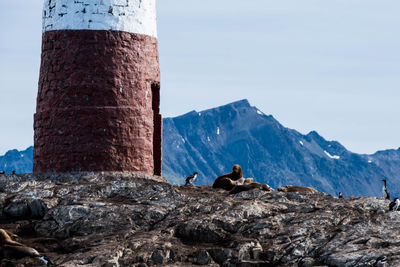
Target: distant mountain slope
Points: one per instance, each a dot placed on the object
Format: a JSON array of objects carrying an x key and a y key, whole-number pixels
[
  {"x": 389, "y": 162},
  {"x": 211, "y": 141},
  {"x": 20, "y": 161}
]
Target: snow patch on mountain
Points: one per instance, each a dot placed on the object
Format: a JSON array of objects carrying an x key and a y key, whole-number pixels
[{"x": 331, "y": 156}]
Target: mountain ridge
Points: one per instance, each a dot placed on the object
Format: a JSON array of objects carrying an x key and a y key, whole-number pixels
[
  {"x": 268, "y": 151},
  {"x": 212, "y": 140}
]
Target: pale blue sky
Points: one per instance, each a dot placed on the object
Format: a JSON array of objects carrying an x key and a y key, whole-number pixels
[{"x": 331, "y": 66}]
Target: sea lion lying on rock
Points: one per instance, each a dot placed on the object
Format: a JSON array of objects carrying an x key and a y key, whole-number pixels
[
  {"x": 293, "y": 188},
  {"x": 244, "y": 181},
  {"x": 250, "y": 186},
  {"x": 228, "y": 181},
  {"x": 12, "y": 249},
  {"x": 235, "y": 182},
  {"x": 5, "y": 238}
]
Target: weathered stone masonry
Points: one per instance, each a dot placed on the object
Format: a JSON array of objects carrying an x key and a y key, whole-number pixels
[{"x": 98, "y": 99}]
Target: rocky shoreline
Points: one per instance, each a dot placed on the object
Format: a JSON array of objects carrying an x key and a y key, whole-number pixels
[{"x": 127, "y": 219}]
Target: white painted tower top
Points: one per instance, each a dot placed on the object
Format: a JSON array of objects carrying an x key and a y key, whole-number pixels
[{"x": 134, "y": 16}]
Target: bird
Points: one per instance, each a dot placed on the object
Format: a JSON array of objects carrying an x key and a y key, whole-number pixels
[
  {"x": 190, "y": 179},
  {"x": 394, "y": 205},
  {"x": 380, "y": 261},
  {"x": 13, "y": 172},
  {"x": 46, "y": 260},
  {"x": 2, "y": 172},
  {"x": 385, "y": 191},
  {"x": 340, "y": 195}
]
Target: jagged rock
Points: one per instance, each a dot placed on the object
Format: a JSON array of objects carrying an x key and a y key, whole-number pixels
[
  {"x": 200, "y": 231},
  {"x": 17, "y": 210},
  {"x": 201, "y": 257},
  {"x": 249, "y": 250},
  {"x": 118, "y": 219},
  {"x": 162, "y": 256},
  {"x": 25, "y": 208},
  {"x": 220, "y": 255}
]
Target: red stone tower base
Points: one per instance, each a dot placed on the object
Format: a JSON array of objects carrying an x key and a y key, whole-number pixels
[{"x": 98, "y": 103}]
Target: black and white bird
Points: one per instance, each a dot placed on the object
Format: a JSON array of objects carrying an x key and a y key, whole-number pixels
[
  {"x": 46, "y": 260},
  {"x": 13, "y": 172},
  {"x": 394, "y": 205},
  {"x": 340, "y": 195},
  {"x": 191, "y": 178},
  {"x": 385, "y": 191},
  {"x": 2, "y": 172},
  {"x": 381, "y": 261}
]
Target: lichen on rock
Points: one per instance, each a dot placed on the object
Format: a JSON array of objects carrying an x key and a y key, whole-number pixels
[{"x": 120, "y": 219}]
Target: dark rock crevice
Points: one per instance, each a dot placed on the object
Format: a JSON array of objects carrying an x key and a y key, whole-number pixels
[{"x": 116, "y": 219}]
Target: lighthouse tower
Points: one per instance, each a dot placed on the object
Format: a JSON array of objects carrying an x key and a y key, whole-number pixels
[{"x": 99, "y": 88}]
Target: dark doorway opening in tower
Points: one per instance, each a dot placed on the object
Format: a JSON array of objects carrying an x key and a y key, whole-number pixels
[{"x": 157, "y": 133}]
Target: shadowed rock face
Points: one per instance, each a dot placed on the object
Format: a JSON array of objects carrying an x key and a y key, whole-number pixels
[{"x": 115, "y": 219}]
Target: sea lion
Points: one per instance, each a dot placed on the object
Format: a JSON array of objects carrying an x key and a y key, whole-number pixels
[
  {"x": 249, "y": 180},
  {"x": 250, "y": 186},
  {"x": 227, "y": 181},
  {"x": 293, "y": 188},
  {"x": 10, "y": 235},
  {"x": 224, "y": 183},
  {"x": 241, "y": 181},
  {"x": 18, "y": 252},
  {"x": 236, "y": 173},
  {"x": 5, "y": 238},
  {"x": 12, "y": 249}
]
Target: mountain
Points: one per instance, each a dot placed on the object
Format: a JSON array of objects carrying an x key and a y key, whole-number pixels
[
  {"x": 20, "y": 161},
  {"x": 388, "y": 161},
  {"x": 212, "y": 141}
]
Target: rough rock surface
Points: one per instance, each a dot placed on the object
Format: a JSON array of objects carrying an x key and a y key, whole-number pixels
[{"x": 115, "y": 219}]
